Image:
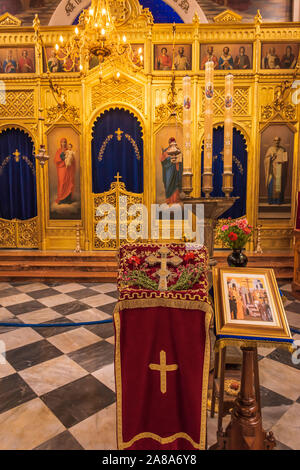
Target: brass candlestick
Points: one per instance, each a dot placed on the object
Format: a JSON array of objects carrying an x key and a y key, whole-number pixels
[
  {"x": 78, "y": 248},
  {"x": 259, "y": 249}
]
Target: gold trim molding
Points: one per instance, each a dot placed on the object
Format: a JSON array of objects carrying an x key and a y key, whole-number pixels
[
  {"x": 228, "y": 16},
  {"x": 9, "y": 20}
]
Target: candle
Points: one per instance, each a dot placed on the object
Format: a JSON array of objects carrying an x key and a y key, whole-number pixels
[
  {"x": 187, "y": 119},
  {"x": 208, "y": 127},
  {"x": 228, "y": 123}
]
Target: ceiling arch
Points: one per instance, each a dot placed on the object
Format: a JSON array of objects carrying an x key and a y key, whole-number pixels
[{"x": 67, "y": 11}]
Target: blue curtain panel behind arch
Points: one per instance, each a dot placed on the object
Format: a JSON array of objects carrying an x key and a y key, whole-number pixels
[
  {"x": 239, "y": 169},
  {"x": 117, "y": 146},
  {"x": 17, "y": 176}
]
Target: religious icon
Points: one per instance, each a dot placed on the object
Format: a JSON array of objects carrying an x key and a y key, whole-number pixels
[
  {"x": 227, "y": 57},
  {"x": 271, "y": 59},
  {"x": 209, "y": 57},
  {"x": 163, "y": 57},
  {"x": 17, "y": 60},
  {"x": 242, "y": 60},
  {"x": 228, "y": 101},
  {"x": 163, "y": 61},
  {"x": 187, "y": 103},
  {"x": 10, "y": 64},
  {"x": 209, "y": 90},
  {"x": 276, "y": 167},
  {"x": 226, "y": 60},
  {"x": 172, "y": 168},
  {"x": 64, "y": 178},
  {"x": 288, "y": 60},
  {"x": 137, "y": 53},
  {"x": 248, "y": 303},
  {"x": 181, "y": 61},
  {"x": 279, "y": 56},
  {"x": 25, "y": 64},
  {"x": 58, "y": 64},
  {"x": 248, "y": 299},
  {"x": 276, "y": 159},
  {"x": 53, "y": 62}
]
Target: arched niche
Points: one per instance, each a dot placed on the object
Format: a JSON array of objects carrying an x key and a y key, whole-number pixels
[{"x": 117, "y": 147}]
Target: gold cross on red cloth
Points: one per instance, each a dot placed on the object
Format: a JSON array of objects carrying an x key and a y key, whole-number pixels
[{"x": 163, "y": 368}]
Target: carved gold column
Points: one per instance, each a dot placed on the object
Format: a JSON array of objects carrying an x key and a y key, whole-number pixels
[
  {"x": 228, "y": 135},
  {"x": 207, "y": 179}
]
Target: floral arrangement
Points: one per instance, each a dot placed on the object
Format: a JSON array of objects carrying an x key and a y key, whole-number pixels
[
  {"x": 185, "y": 277},
  {"x": 234, "y": 233}
]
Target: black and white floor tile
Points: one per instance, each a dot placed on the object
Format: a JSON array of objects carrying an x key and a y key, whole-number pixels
[{"x": 57, "y": 388}]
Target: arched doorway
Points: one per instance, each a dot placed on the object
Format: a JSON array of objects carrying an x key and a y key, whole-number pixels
[
  {"x": 18, "y": 200},
  {"x": 239, "y": 169},
  {"x": 117, "y": 147},
  {"x": 117, "y": 176}
]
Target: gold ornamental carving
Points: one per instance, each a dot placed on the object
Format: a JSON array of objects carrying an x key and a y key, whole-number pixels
[
  {"x": 122, "y": 91},
  {"x": 171, "y": 108},
  {"x": 19, "y": 103},
  {"x": 280, "y": 105},
  {"x": 9, "y": 20},
  {"x": 228, "y": 16},
  {"x": 240, "y": 101},
  {"x": 19, "y": 233},
  {"x": 117, "y": 231},
  {"x": 57, "y": 113}
]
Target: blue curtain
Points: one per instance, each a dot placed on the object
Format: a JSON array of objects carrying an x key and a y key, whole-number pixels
[
  {"x": 117, "y": 146},
  {"x": 17, "y": 178},
  {"x": 239, "y": 168}
]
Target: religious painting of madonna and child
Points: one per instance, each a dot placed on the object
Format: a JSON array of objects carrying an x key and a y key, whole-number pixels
[
  {"x": 276, "y": 167},
  {"x": 64, "y": 174},
  {"x": 169, "y": 165},
  {"x": 279, "y": 56},
  {"x": 227, "y": 56},
  {"x": 248, "y": 302},
  {"x": 17, "y": 60},
  {"x": 163, "y": 57}
]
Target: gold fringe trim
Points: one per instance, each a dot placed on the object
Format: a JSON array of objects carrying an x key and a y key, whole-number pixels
[
  {"x": 161, "y": 440},
  {"x": 161, "y": 302},
  {"x": 118, "y": 374},
  {"x": 250, "y": 343}
]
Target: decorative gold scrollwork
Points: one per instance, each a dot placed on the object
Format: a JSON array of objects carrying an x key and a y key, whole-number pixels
[
  {"x": 19, "y": 233},
  {"x": 280, "y": 104},
  {"x": 116, "y": 233}
]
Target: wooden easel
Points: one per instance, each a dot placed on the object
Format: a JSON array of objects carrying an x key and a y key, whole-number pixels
[
  {"x": 218, "y": 385},
  {"x": 244, "y": 431}
]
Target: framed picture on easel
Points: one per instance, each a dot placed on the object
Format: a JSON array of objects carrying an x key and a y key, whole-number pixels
[{"x": 248, "y": 303}]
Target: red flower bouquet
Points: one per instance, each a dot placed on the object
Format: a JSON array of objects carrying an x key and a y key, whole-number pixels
[{"x": 234, "y": 233}]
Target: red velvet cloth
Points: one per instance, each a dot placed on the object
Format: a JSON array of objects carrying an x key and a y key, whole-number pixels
[
  {"x": 147, "y": 323},
  {"x": 127, "y": 261},
  {"x": 142, "y": 407},
  {"x": 298, "y": 213}
]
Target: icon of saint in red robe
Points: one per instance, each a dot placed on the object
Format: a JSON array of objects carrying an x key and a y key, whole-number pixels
[
  {"x": 65, "y": 174},
  {"x": 25, "y": 63}
]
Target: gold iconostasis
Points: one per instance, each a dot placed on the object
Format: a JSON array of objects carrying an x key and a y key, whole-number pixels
[{"x": 264, "y": 61}]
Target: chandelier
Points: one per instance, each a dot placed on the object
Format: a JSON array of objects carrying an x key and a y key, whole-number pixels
[{"x": 96, "y": 35}]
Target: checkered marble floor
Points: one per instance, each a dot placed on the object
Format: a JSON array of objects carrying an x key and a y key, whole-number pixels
[{"x": 57, "y": 386}]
